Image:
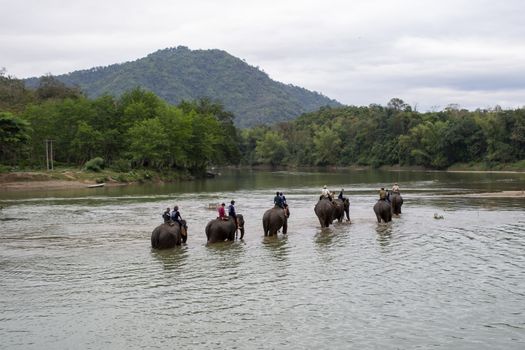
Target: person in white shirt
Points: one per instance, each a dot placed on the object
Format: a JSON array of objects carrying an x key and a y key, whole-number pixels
[{"x": 395, "y": 188}]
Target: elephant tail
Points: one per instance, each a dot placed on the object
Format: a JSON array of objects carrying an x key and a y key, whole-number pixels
[{"x": 207, "y": 230}]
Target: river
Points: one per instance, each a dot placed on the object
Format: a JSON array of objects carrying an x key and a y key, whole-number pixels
[{"x": 77, "y": 270}]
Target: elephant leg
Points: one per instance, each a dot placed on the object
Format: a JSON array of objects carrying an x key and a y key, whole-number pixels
[{"x": 285, "y": 228}]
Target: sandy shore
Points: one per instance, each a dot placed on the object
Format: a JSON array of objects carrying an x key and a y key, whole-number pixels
[
  {"x": 43, "y": 185},
  {"x": 502, "y": 194},
  {"x": 42, "y": 182}
]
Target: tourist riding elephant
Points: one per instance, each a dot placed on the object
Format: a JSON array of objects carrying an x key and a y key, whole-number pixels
[
  {"x": 169, "y": 234},
  {"x": 383, "y": 211},
  {"x": 397, "y": 202},
  {"x": 325, "y": 211},
  {"x": 219, "y": 230},
  {"x": 341, "y": 207},
  {"x": 275, "y": 218}
]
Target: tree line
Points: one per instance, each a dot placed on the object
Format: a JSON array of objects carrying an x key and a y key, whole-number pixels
[
  {"x": 390, "y": 135},
  {"x": 140, "y": 130}
]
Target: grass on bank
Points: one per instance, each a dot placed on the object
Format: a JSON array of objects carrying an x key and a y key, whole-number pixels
[
  {"x": 68, "y": 173},
  {"x": 488, "y": 166}
]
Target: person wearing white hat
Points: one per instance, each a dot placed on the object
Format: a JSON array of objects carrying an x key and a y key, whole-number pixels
[{"x": 325, "y": 193}]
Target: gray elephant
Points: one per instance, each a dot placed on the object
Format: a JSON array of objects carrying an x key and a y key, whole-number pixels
[
  {"x": 341, "y": 207},
  {"x": 219, "y": 230},
  {"x": 275, "y": 218},
  {"x": 169, "y": 234},
  {"x": 325, "y": 211},
  {"x": 397, "y": 202},
  {"x": 383, "y": 211}
]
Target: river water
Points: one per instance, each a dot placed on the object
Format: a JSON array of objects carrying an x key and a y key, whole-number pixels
[{"x": 77, "y": 270}]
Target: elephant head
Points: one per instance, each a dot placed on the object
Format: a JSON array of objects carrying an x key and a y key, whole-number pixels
[
  {"x": 240, "y": 223},
  {"x": 169, "y": 235},
  {"x": 383, "y": 211},
  {"x": 274, "y": 219}
]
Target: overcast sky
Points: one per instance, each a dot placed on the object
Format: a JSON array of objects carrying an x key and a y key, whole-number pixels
[{"x": 430, "y": 53}]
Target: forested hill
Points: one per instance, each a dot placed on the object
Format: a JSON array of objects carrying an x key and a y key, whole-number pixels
[{"x": 177, "y": 74}]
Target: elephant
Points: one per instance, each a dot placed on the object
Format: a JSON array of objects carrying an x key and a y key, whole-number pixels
[
  {"x": 397, "y": 202},
  {"x": 275, "y": 218},
  {"x": 169, "y": 235},
  {"x": 219, "y": 230},
  {"x": 383, "y": 211},
  {"x": 341, "y": 207},
  {"x": 325, "y": 211}
]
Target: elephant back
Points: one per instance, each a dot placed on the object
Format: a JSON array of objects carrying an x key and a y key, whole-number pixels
[
  {"x": 273, "y": 220},
  {"x": 166, "y": 236},
  {"x": 339, "y": 209},
  {"x": 397, "y": 202},
  {"x": 218, "y": 230},
  {"x": 275, "y": 214},
  {"x": 324, "y": 209},
  {"x": 323, "y": 205},
  {"x": 383, "y": 210}
]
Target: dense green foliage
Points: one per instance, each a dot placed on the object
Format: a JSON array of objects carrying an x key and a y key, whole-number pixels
[
  {"x": 390, "y": 135},
  {"x": 178, "y": 74},
  {"x": 96, "y": 164},
  {"x": 140, "y": 130},
  {"x": 14, "y": 138},
  {"x": 136, "y": 130}
]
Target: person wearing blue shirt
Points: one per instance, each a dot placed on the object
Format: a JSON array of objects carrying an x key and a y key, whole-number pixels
[
  {"x": 232, "y": 213},
  {"x": 283, "y": 199},
  {"x": 231, "y": 209},
  {"x": 278, "y": 200},
  {"x": 166, "y": 215},
  {"x": 175, "y": 215}
]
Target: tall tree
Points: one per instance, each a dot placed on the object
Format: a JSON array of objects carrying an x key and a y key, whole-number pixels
[{"x": 14, "y": 138}]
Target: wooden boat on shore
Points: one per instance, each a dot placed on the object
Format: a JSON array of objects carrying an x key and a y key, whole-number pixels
[{"x": 97, "y": 185}]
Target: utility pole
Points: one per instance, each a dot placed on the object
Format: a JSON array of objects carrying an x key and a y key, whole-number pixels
[{"x": 49, "y": 154}]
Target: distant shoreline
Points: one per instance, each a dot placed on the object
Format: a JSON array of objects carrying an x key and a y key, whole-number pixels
[
  {"x": 64, "y": 180},
  {"x": 499, "y": 194}
]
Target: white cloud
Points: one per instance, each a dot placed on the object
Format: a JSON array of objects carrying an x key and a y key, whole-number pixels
[{"x": 427, "y": 52}]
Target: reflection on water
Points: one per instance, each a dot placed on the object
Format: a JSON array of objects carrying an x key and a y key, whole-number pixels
[
  {"x": 384, "y": 234},
  {"x": 78, "y": 271},
  {"x": 171, "y": 259},
  {"x": 277, "y": 246}
]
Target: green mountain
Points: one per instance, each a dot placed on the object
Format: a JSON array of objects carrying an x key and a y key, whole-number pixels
[{"x": 177, "y": 74}]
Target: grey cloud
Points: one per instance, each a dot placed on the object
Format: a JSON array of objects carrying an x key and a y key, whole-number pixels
[{"x": 359, "y": 52}]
